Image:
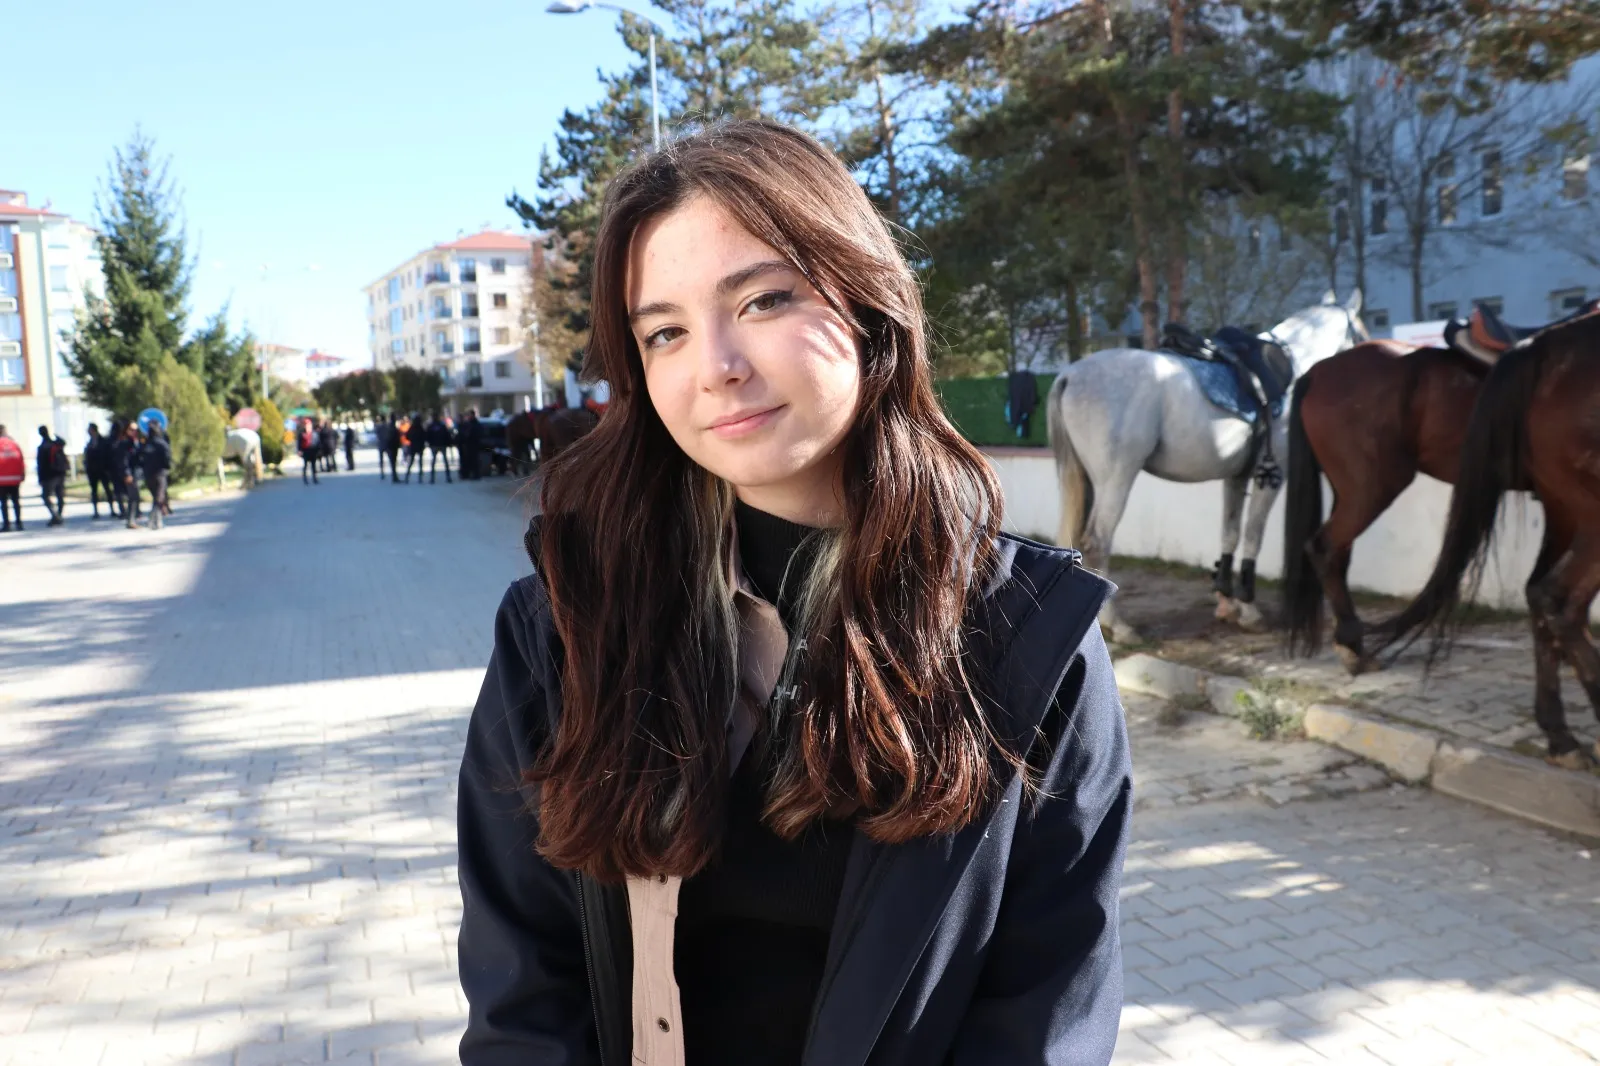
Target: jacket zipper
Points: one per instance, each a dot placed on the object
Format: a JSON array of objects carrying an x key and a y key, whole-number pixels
[{"x": 588, "y": 965}]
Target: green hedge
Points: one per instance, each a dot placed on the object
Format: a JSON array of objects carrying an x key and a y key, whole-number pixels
[{"x": 977, "y": 406}]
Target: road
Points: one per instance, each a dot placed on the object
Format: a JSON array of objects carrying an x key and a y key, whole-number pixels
[{"x": 227, "y": 764}]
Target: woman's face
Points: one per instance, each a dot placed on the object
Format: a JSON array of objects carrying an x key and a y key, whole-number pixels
[{"x": 753, "y": 374}]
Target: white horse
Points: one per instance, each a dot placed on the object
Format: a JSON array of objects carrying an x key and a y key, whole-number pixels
[
  {"x": 1123, "y": 410},
  {"x": 245, "y": 446}
]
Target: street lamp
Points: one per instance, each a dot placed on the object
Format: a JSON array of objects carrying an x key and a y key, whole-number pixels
[{"x": 573, "y": 7}]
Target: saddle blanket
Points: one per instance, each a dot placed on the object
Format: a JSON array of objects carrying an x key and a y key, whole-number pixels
[{"x": 1221, "y": 386}]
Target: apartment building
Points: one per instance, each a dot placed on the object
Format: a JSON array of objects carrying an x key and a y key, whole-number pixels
[
  {"x": 47, "y": 262},
  {"x": 456, "y": 309}
]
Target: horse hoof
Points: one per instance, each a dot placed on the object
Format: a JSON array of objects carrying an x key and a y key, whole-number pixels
[
  {"x": 1576, "y": 759},
  {"x": 1352, "y": 660},
  {"x": 1227, "y": 609},
  {"x": 1250, "y": 618}
]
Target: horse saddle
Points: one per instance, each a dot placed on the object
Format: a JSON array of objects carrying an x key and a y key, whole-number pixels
[
  {"x": 1238, "y": 371},
  {"x": 1484, "y": 337}
]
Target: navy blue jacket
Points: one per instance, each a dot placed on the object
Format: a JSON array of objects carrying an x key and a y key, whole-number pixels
[{"x": 994, "y": 946}]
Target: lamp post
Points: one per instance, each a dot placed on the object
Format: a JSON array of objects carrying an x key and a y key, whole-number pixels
[{"x": 573, "y": 7}]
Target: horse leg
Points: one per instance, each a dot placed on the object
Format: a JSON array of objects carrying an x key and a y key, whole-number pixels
[
  {"x": 1357, "y": 503},
  {"x": 1110, "y": 500},
  {"x": 1234, "y": 491},
  {"x": 1571, "y": 587},
  {"x": 1255, "y": 527},
  {"x": 1545, "y": 591}
]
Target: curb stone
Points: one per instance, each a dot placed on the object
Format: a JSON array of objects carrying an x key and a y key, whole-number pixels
[{"x": 1504, "y": 781}]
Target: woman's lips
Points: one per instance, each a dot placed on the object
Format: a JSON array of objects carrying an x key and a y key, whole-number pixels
[{"x": 742, "y": 423}]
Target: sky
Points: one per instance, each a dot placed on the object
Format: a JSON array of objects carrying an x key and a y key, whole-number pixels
[{"x": 316, "y": 145}]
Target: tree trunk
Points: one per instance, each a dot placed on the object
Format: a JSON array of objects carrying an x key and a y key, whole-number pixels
[
  {"x": 886, "y": 128},
  {"x": 1075, "y": 329},
  {"x": 1418, "y": 242},
  {"x": 1177, "y": 239},
  {"x": 1144, "y": 257}
]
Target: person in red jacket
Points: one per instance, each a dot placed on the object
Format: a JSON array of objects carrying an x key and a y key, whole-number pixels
[{"x": 13, "y": 468}]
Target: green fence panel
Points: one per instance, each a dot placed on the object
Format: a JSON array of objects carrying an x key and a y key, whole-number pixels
[{"x": 977, "y": 406}]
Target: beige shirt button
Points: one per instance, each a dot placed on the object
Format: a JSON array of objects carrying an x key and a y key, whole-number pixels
[{"x": 665, "y": 1026}]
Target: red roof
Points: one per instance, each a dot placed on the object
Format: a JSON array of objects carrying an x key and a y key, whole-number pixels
[
  {"x": 20, "y": 210},
  {"x": 490, "y": 241},
  {"x": 324, "y": 357}
]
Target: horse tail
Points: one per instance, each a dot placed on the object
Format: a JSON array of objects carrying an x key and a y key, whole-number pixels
[
  {"x": 1077, "y": 491},
  {"x": 1302, "y": 518},
  {"x": 1492, "y": 463}
]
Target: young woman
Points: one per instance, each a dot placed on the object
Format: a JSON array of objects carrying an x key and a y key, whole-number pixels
[{"x": 785, "y": 753}]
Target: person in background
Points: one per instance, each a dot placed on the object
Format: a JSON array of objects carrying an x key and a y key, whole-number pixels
[
  {"x": 440, "y": 440},
  {"x": 308, "y": 444},
  {"x": 53, "y": 465},
  {"x": 155, "y": 459},
  {"x": 469, "y": 443},
  {"x": 97, "y": 468},
  {"x": 125, "y": 471},
  {"x": 390, "y": 442},
  {"x": 13, "y": 470},
  {"x": 416, "y": 445},
  {"x": 349, "y": 447}
]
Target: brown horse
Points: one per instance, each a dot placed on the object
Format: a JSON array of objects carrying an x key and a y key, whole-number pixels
[
  {"x": 1536, "y": 424},
  {"x": 553, "y": 429},
  {"x": 1370, "y": 418}
]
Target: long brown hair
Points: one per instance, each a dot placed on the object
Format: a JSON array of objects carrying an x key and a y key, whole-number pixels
[{"x": 884, "y": 724}]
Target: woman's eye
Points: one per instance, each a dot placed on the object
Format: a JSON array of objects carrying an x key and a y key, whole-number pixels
[
  {"x": 770, "y": 301},
  {"x": 664, "y": 335}
]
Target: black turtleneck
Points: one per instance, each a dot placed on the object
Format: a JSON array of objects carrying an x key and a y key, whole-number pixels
[
  {"x": 753, "y": 928},
  {"x": 776, "y": 555}
]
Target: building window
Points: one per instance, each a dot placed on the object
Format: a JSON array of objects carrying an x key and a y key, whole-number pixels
[
  {"x": 1492, "y": 184},
  {"x": 1378, "y": 319},
  {"x": 13, "y": 375},
  {"x": 1562, "y": 302},
  {"x": 500, "y": 299},
  {"x": 394, "y": 320},
  {"x": 497, "y": 266},
  {"x": 1575, "y": 177},
  {"x": 1379, "y": 207},
  {"x": 1447, "y": 191},
  {"x": 58, "y": 279},
  {"x": 469, "y": 305},
  {"x": 394, "y": 290},
  {"x": 473, "y": 341},
  {"x": 469, "y": 270},
  {"x": 1442, "y": 309},
  {"x": 502, "y": 368},
  {"x": 395, "y": 347},
  {"x": 474, "y": 375},
  {"x": 1492, "y": 304},
  {"x": 502, "y": 335}
]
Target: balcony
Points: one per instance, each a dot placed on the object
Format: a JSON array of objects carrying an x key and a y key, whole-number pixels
[
  {"x": 472, "y": 346},
  {"x": 442, "y": 312},
  {"x": 469, "y": 311},
  {"x": 447, "y": 348},
  {"x": 436, "y": 277},
  {"x": 469, "y": 274}
]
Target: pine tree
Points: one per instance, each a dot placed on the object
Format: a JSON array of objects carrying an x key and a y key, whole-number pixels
[{"x": 141, "y": 247}]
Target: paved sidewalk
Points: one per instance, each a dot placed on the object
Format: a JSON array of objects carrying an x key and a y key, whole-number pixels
[{"x": 227, "y": 764}]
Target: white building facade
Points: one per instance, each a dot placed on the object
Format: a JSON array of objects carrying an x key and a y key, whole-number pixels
[
  {"x": 47, "y": 263},
  {"x": 456, "y": 309}
]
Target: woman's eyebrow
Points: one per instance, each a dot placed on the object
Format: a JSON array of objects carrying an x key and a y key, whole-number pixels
[{"x": 731, "y": 283}]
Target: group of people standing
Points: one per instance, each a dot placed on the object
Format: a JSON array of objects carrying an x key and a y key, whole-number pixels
[
  {"x": 318, "y": 442},
  {"x": 113, "y": 463},
  {"x": 421, "y": 436}
]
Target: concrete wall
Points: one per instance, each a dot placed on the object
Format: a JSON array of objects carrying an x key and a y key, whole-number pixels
[{"x": 1183, "y": 523}]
